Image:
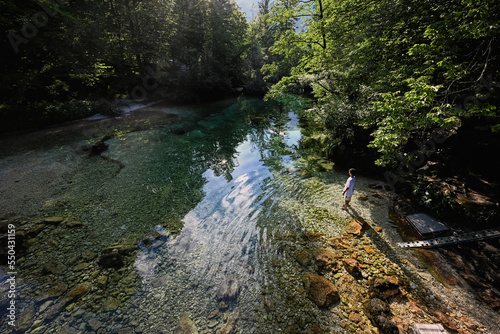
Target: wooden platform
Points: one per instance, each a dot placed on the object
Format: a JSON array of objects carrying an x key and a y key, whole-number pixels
[{"x": 426, "y": 225}]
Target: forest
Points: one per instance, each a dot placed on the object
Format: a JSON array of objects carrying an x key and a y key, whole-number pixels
[{"x": 406, "y": 88}]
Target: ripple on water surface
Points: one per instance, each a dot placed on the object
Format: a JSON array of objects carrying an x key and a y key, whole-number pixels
[{"x": 214, "y": 214}]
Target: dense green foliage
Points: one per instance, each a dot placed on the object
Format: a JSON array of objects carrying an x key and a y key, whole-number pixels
[
  {"x": 403, "y": 70},
  {"x": 64, "y": 59}
]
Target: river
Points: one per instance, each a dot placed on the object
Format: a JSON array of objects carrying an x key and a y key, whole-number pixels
[{"x": 175, "y": 219}]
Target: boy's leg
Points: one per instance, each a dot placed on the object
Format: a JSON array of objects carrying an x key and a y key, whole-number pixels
[{"x": 347, "y": 201}]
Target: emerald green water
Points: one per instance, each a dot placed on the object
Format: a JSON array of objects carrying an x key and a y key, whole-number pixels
[{"x": 205, "y": 196}]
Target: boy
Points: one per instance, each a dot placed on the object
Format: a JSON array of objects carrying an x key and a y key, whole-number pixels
[{"x": 349, "y": 188}]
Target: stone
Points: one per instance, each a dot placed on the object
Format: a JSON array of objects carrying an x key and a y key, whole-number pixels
[
  {"x": 111, "y": 303},
  {"x": 66, "y": 329},
  {"x": 386, "y": 287},
  {"x": 223, "y": 306},
  {"x": 54, "y": 311},
  {"x": 81, "y": 266},
  {"x": 304, "y": 257},
  {"x": 186, "y": 326},
  {"x": 312, "y": 236},
  {"x": 320, "y": 290},
  {"x": 340, "y": 242},
  {"x": 314, "y": 329},
  {"x": 213, "y": 314},
  {"x": 326, "y": 259},
  {"x": 445, "y": 320},
  {"x": 228, "y": 327},
  {"x": 53, "y": 220},
  {"x": 379, "y": 312},
  {"x": 77, "y": 292},
  {"x": 212, "y": 323},
  {"x": 74, "y": 224},
  {"x": 45, "y": 306},
  {"x": 88, "y": 255},
  {"x": 269, "y": 303},
  {"x": 352, "y": 266},
  {"x": 124, "y": 249},
  {"x": 39, "y": 330},
  {"x": 355, "y": 227},
  {"x": 57, "y": 291},
  {"x": 94, "y": 324},
  {"x": 55, "y": 268},
  {"x": 25, "y": 318},
  {"x": 229, "y": 289},
  {"x": 355, "y": 317},
  {"x": 111, "y": 260},
  {"x": 349, "y": 289},
  {"x": 491, "y": 297}
]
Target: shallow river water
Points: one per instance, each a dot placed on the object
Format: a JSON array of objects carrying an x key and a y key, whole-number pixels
[
  {"x": 198, "y": 219},
  {"x": 211, "y": 200}
]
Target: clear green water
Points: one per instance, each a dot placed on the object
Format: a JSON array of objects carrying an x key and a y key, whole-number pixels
[{"x": 204, "y": 194}]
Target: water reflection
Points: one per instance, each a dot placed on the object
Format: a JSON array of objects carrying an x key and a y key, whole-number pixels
[{"x": 194, "y": 201}]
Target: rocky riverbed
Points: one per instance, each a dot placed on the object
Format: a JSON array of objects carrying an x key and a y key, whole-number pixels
[
  {"x": 356, "y": 276},
  {"x": 270, "y": 254}
]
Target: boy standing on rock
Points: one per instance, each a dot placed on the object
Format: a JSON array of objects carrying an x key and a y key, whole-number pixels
[{"x": 349, "y": 188}]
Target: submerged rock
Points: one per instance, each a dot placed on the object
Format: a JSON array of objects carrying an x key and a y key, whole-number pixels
[
  {"x": 111, "y": 303},
  {"x": 228, "y": 327},
  {"x": 186, "y": 326},
  {"x": 111, "y": 260},
  {"x": 54, "y": 220},
  {"x": 304, "y": 257},
  {"x": 77, "y": 292},
  {"x": 74, "y": 224},
  {"x": 229, "y": 289},
  {"x": 25, "y": 319},
  {"x": 55, "y": 268},
  {"x": 57, "y": 291},
  {"x": 320, "y": 290},
  {"x": 327, "y": 259}
]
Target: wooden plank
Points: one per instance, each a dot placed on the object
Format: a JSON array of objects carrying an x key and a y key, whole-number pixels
[{"x": 425, "y": 224}]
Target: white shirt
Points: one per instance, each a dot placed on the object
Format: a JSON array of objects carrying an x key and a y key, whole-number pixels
[{"x": 350, "y": 184}]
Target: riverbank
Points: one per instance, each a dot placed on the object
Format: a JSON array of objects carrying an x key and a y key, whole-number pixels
[{"x": 415, "y": 290}]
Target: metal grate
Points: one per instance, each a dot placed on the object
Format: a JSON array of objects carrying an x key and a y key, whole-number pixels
[
  {"x": 427, "y": 329},
  {"x": 486, "y": 234}
]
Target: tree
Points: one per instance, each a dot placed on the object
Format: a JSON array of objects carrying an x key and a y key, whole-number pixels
[{"x": 401, "y": 69}]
